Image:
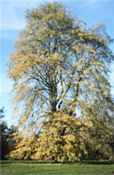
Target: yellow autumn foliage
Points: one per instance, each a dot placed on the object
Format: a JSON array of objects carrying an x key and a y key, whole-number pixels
[
  {"x": 59, "y": 139},
  {"x": 23, "y": 63},
  {"x": 63, "y": 139},
  {"x": 58, "y": 66}
]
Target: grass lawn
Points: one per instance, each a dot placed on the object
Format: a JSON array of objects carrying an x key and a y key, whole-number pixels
[{"x": 56, "y": 169}]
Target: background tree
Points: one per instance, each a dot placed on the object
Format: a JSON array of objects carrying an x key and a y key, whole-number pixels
[
  {"x": 6, "y": 144},
  {"x": 3, "y": 135},
  {"x": 59, "y": 64}
]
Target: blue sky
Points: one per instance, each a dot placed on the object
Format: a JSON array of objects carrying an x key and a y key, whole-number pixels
[{"x": 12, "y": 21}]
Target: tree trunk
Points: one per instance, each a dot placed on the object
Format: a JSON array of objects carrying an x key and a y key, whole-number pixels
[{"x": 53, "y": 98}]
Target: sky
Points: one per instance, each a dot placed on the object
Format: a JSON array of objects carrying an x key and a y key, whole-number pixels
[{"x": 12, "y": 21}]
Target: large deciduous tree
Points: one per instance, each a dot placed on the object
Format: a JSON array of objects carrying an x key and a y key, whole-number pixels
[{"x": 59, "y": 64}]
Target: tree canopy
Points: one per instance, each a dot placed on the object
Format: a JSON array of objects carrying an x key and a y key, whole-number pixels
[
  {"x": 60, "y": 69},
  {"x": 59, "y": 64}
]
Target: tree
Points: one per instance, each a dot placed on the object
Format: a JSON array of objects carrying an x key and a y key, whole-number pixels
[
  {"x": 3, "y": 135},
  {"x": 63, "y": 138},
  {"x": 58, "y": 140},
  {"x": 6, "y": 144},
  {"x": 59, "y": 64},
  {"x": 22, "y": 147},
  {"x": 100, "y": 143},
  {"x": 1, "y": 113}
]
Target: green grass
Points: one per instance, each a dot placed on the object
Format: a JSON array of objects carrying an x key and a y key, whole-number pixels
[{"x": 56, "y": 169}]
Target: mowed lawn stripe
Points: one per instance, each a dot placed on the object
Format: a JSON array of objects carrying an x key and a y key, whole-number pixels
[{"x": 56, "y": 169}]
